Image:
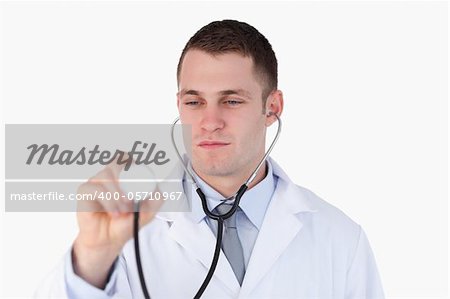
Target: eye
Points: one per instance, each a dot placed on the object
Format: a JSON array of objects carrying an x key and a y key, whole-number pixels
[
  {"x": 233, "y": 102},
  {"x": 191, "y": 103}
]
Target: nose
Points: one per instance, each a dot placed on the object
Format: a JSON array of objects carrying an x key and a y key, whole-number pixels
[{"x": 211, "y": 119}]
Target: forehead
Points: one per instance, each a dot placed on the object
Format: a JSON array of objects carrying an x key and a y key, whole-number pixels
[{"x": 206, "y": 72}]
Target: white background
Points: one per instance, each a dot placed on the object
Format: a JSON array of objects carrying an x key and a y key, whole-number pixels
[{"x": 365, "y": 120}]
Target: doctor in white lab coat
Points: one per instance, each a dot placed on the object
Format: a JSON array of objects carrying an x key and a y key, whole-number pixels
[{"x": 297, "y": 246}]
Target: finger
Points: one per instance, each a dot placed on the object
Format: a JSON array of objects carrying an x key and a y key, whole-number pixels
[
  {"x": 110, "y": 183},
  {"x": 119, "y": 163},
  {"x": 86, "y": 194},
  {"x": 102, "y": 196}
]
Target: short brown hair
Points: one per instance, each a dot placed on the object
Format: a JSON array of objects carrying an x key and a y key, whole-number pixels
[{"x": 225, "y": 36}]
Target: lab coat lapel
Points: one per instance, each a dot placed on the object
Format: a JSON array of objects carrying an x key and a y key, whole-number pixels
[
  {"x": 279, "y": 228},
  {"x": 197, "y": 238},
  {"x": 199, "y": 241}
]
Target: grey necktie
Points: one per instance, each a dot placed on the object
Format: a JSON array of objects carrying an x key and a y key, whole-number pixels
[{"x": 231, "y": 245}]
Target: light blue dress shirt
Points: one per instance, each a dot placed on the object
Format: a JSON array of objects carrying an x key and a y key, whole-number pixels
[{"x": 253, "y": 206}]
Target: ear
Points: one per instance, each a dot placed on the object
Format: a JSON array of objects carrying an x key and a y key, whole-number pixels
[{"x": 274, "y": 105}]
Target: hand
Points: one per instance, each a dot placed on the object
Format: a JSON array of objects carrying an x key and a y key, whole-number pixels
[{"x": 105, "y": 225}]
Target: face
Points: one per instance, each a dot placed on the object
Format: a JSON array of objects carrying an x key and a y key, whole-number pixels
[{"x": 221, "y": 98}]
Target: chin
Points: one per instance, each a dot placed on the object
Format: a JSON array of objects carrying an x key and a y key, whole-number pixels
[
  {"x": 217, "y": 172},
  {"x": 212, "y": 166}
]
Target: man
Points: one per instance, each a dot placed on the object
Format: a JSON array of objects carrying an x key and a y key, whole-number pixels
[{"x": 291, "y": 244}]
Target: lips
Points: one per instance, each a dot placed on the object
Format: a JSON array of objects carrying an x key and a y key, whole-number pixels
[{"x": 212, "y": 144}]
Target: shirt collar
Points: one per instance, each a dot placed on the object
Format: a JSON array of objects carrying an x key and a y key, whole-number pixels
[{"x": 253, "y": 203}]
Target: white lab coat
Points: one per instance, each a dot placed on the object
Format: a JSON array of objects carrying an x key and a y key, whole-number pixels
[{"x": 306, "y": 248}]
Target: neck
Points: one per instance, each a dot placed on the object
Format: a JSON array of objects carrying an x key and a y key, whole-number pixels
[{"x": 228, "y": 186}]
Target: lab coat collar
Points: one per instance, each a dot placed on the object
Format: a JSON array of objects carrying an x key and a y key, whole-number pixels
[
  {"x": 281, "y": 225},
  {"x": 294, "y": 205}
]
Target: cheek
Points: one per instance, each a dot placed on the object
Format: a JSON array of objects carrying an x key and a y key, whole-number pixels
[
  {"x": 189, "y": 119},
  {"x": 251, "y": 133}
]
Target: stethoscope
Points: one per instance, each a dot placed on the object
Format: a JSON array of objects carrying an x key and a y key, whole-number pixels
[{"x": 219, "y": 217}]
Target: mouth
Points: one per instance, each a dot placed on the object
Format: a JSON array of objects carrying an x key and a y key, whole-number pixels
[{"x": 212, "y": 144}]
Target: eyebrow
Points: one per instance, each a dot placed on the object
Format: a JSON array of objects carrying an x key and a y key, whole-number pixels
[{"x": 226, "y": 92}]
